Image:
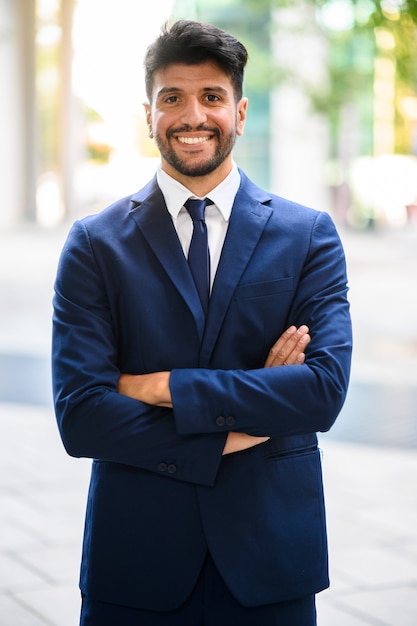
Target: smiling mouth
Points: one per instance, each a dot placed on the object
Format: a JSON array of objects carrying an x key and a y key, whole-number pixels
[{"x": 192, "y": 141}]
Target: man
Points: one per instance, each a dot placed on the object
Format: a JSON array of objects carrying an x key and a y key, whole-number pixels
[{"x": 205, "y": 504}]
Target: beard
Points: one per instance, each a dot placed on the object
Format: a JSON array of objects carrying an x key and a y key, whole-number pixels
[{"x": 223, "y": 149}]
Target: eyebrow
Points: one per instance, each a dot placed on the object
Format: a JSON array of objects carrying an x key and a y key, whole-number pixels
[{"x": 216, "y": 89}]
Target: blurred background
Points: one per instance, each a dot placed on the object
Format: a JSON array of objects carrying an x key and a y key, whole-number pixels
[{"x": 332, "y": 88}]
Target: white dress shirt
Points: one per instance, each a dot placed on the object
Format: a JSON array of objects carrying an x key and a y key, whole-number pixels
[{"x": 217, "y": 215}]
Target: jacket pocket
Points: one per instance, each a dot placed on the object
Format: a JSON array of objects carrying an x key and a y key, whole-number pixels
[
  {"x": 272, "y": 454},
  {"x": 260, "y": 290}
]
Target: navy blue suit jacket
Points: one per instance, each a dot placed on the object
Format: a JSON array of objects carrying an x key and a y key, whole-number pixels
[{"x": 161, "y": 494}]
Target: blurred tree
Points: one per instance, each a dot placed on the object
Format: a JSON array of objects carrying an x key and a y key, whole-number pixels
[
  {"x": 356, "y": 32},
  {"x": 372, "y": 30}
]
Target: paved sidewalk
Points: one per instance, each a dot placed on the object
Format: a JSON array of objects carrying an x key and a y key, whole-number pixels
[
  {"x": 372, "y": 519},
  {"x": 42, "y": 496}
]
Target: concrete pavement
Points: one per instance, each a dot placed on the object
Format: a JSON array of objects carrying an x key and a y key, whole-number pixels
[
  {"x": 372, "y": 520},
  {"x": 369, "y": 460}
]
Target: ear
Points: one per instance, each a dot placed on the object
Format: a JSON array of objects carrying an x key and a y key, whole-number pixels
[
  {"x": 241, "y": 110},
  {"x": 147, "y": 108}
]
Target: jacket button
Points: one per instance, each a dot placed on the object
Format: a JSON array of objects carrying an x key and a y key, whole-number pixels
[
  {"x": 220, "y": 421},
  {"x": 162, "y": 467},
  {"x": 172, "y": 468},
  {"x": 230, "y": 421}
]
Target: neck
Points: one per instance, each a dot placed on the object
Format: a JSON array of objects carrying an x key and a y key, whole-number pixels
[{"x": 200, "y": 186}]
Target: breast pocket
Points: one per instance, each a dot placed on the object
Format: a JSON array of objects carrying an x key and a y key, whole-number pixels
[
  {"x": 257, "y": 317},
  {"x": 264, "y": 289}
]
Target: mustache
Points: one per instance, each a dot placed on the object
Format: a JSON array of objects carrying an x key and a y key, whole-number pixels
[{"x": 189, "y": 129}]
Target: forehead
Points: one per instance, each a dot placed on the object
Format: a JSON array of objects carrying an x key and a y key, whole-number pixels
[{"x": 184, "y": 77}]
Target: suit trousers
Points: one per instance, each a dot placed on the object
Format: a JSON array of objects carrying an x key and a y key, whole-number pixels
[{"x": 210, "y": 604}]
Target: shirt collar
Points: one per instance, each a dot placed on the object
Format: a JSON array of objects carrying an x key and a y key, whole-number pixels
[{"x": 175, "y": 194}]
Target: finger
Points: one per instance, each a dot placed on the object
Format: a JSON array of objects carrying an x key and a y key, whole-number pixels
[
  {"x": 287, "y": 348},
  {"x": 282, "y": 348},
  {"x": 277, "y": 353},
  {"x": 297, "y": 356},
  {"x": 291, "y": 343}
]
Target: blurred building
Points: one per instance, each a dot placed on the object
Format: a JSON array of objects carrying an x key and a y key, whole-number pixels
[
  {"x": 73, "y": 131},
  {"x": 66, "y": 150},
  {"x": 18, "y": 152}
]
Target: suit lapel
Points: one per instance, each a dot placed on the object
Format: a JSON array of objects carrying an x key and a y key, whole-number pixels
[
  {"x": 247, "y": 222},
  {"x": 152, "y": 218}
]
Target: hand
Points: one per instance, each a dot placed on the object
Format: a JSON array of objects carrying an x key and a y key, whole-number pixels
[
  {"x": 150, "y": 388},
  {"x": 236, "y": 442},
  {"x": 287, "y": 350}
]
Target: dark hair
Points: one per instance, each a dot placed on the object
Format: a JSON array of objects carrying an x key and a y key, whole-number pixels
[{"x": 192, "y": 43}]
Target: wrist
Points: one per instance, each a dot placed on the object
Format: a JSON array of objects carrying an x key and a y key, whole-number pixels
[{"x": 162, "y": 390}]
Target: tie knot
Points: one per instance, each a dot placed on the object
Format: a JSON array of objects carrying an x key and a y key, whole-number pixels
[{"x": 196, "y": 208}]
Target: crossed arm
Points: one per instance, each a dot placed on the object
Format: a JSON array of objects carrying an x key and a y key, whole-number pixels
[{"x": 154, "y": 389}]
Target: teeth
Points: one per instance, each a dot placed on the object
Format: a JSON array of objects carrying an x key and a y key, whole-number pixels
[{"x": 192, "y": 140}]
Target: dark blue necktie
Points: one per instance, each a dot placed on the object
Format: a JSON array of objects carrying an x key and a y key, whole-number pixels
[{"x": 198, "y": 254}]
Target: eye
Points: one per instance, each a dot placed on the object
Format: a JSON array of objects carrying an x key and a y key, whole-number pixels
[
  {"x": 171, "y": 99},
  {"x": 212, "y": 97}
]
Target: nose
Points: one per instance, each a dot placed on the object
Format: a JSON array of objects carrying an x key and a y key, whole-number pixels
[{"x": 193, "y": 113}]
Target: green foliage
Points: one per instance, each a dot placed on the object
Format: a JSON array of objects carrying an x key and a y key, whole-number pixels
[
  {"x": 348, "y": 67},
  {"x": 352, "y": 47}
]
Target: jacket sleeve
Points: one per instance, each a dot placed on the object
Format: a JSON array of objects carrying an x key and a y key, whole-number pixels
[
  {"x": 94, "y": 420},
  {"x": 282, "y": 401}
]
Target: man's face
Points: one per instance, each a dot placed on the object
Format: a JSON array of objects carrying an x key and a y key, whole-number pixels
[{"x": 195, "y": 119}]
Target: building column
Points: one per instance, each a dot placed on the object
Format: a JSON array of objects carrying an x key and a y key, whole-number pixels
[
  {"x": 300, "y": 141},
  {"x": 17, "y": 111},
  {"x": 68, "y": 152}
]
